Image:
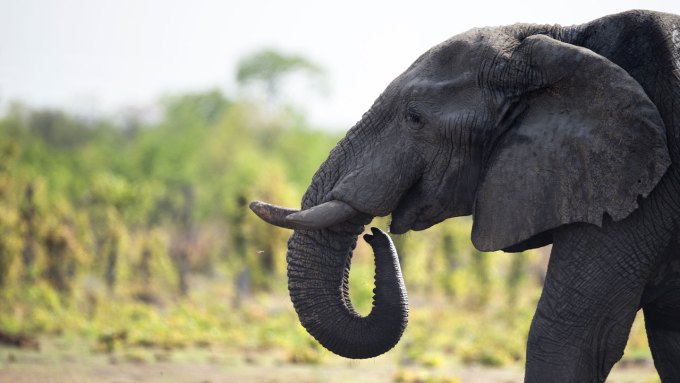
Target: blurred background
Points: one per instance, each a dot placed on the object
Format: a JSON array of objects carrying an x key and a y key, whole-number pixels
[{"x": 133, "y": 134}]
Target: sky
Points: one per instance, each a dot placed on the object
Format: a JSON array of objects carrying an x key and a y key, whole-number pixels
[{"x": 97, "y": 57}]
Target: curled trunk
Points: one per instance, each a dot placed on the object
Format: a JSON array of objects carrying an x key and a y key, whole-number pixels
[
  {"x": 318, "y": 273},
  {"x": 319, "y": 263}
]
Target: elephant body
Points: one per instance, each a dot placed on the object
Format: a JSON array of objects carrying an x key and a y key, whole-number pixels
[{"x": 544, "y": 134}]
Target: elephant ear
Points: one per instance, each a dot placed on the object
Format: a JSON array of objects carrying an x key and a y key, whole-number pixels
[{"x": 588, "y": 143}]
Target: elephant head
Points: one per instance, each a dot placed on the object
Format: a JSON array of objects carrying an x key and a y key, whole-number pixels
[{"x": 521, "y": 130}]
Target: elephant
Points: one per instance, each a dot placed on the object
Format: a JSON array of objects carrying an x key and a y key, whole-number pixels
[{"x": 544, "y": 134}]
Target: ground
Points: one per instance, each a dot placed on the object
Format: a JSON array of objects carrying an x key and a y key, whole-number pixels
[{"x": 59, "y": 361}]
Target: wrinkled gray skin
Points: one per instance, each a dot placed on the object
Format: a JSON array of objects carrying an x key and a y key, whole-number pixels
[{"x": 545, "y": 134}]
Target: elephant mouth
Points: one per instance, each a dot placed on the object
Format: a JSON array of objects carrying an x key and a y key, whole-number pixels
[
  {"x": 422, "y": 207},
  {"x": 409, "y": 213},
  {"x": 408, "y": 217}
]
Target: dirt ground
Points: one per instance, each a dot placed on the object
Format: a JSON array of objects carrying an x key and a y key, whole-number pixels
[
  {"x": 69, "y": 367},
  {"x": 62, "y": 360},
  {"x": 164, "y": 372}
]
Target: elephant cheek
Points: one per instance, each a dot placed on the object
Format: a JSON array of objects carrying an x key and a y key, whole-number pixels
[{"x": 455, "y": 195}]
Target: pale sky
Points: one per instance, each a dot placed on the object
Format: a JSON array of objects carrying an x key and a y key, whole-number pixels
[{"x": 104, "y": 56}]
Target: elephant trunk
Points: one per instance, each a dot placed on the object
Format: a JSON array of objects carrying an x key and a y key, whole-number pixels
[{"x": 318, "y": 274}]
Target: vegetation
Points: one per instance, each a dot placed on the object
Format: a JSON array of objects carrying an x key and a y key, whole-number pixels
[{"x": 134, "y": 238}]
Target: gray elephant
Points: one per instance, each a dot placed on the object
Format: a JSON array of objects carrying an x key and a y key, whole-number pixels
[{"x": 544, "y": 134}]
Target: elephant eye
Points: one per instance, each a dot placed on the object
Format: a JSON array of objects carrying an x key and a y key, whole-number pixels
[{"x": 413, "y": 116}]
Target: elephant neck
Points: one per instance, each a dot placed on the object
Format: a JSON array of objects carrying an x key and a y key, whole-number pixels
[{"x": 646, "y": 45}]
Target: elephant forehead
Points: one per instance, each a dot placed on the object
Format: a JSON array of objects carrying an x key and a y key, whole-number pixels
[{"x": 440, "y": 85}]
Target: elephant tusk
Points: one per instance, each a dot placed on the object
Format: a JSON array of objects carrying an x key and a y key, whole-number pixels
[
  {"x": 272, "y": 214},
  {"x": 318, "y": 217},
  {"x": 321, "y": 216}
]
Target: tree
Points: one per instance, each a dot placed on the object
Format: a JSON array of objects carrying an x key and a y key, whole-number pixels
[{"x": 269, "y": 68}]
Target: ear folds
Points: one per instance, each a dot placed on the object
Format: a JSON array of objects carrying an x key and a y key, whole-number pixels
[{"x": 589, "y": 142}]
